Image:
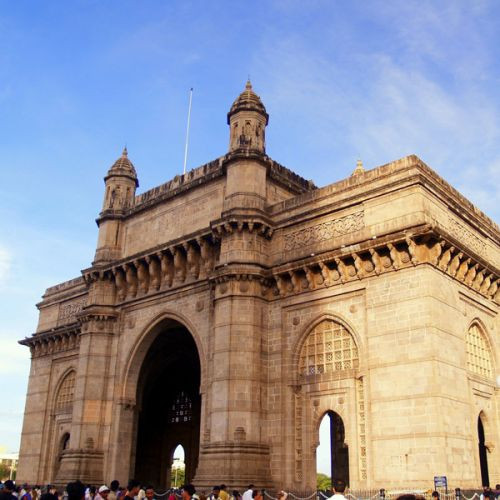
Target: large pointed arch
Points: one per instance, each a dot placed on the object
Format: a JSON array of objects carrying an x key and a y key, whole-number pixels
[{"x": 144, "y": 341}]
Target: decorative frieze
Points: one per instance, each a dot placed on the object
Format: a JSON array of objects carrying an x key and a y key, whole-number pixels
[
  {"x": 324, "y": 231},
  {"x": 69, "y": 311},
  {"x": 461, "y": 233}
]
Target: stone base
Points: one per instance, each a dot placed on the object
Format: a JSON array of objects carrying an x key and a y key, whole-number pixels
[
  {"x": 235, "y": 464},
  {"x": 83, "y": 465}
]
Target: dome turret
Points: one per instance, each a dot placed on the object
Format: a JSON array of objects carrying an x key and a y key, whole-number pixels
[
  {"x": 248, "y": 100},
  {"x": 123, "y": 167},
  {"x": 247, "y": 119}
]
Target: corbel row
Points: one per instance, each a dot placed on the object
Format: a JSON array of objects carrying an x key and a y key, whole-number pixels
[
  {"x": 391, "y": 256},
  {"x": 187, "y": 261},
  {"x": 48, "y": 343},
  {"x": 454, "y": 262},
  {"x": 240, "y": 225}
]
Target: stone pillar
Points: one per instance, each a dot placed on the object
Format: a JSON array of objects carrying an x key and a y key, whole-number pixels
[
  {"x": 235, "y": 449},
  {"x": 84, "y": 459}
]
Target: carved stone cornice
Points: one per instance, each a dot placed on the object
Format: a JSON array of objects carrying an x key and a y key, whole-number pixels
[
  {"x": 167, "y": 266},
  {"x": 242, "y": 223},
  {"x": 423, "y": 245},
  {"x": 53, "y": 341}
]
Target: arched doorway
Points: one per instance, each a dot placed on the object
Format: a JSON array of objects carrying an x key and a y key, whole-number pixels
[
  {"x": 169, "y": 406},
  {"x": 333, "y": 448},
  {"x": 483, "y": 457}
]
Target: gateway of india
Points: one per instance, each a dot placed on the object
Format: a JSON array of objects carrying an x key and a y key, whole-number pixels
[{"x": 232, "y": 308}]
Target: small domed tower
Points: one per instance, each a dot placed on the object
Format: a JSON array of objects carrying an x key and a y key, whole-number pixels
[
  {"x": 121, "y": 182},
  {"x": 247, "y": 119}
]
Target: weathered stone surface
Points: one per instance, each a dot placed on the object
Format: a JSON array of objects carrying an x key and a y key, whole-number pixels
[{"x": 376, "y": 297}]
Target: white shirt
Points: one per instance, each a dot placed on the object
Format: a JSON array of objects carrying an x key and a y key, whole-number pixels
[
  {"x": 247, "y": 495},
  {"x": 337, "y": 496}
]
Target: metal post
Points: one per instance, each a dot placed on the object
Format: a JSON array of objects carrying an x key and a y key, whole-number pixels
[{"x": 458, "y": 493}]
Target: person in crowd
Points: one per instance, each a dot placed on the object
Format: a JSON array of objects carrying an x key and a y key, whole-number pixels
[
  {"x": 91, "y": 493},
  {"x": 257, "y": 495},
  {"x": 486, "y": 494},
  {"x": 102, "y": 493},
  {"x": 187, "y": 491},
  {"x": 6, "y": 492},
  {"x": 113, "y": 490},
  {"x": 497, "y": 491},
  {"x": 150, "y": 493},
  {"x": 282, "y": 495},
  {"x": 215, "y": 493},
  {"x": 49, "y": 493},
  {"x": 339, "y": 487},
  {"x": 223, "y": 494},
  {"x": 75, "y": 490},
  {"x": 25, "y": 493},
  {"x": 247, "y": 495},
  {"x": 435, "y": 495},
  {"x": 236, "y": 495},
  {"x": 133, "y": 488}
]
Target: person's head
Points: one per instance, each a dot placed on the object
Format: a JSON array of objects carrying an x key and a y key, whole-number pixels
[
  {"x": 236, "y": 494},
  {"x": 216, "y": 490},
  {"x": 187, "y": 491},
  {"x": 104, "y": 491},
  {"x": 9, "y": 486},
  {"x": 75, "y": 490},
  {"x": 133, "y": 487},
  {"x": 223, "y": 487},
  {"x": 435, "y": 494},
  {"x": 115, "y": 484},
  {"x": 338, "y": 485},
  {"x": 150, "y": 492}
]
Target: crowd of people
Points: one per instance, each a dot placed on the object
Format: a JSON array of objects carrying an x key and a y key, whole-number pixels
[{"x": 135, "y": 491}]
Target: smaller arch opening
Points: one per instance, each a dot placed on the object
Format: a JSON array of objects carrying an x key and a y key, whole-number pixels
[
  {"x": 483, "y": 452},
  {"x": 178, "y": 469},
  {"x": 332, "y": 454}
]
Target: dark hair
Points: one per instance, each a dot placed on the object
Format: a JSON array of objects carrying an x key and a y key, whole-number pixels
[
  {"x": 115, "y": 484},
  {"x": 75, "y": 490},
  {"x": 255, "y": 493},
  {"x": 133, "y": 483},
  {"x": 149, "y": 487},
  {"x": 435, "y": 494},
  {"x": 222, "y": 486},
  {"x": 189, "y": 488},
  {"x": 339, "y": 485},
  {"x": 9, "y": 485},
  {"x": 250, "y": 486},
  {"x": 216, "y": 488},
  {"x": 236, "y": 493}
]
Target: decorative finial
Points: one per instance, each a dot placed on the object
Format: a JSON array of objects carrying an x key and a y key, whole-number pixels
[
  {"x": 359, "y": 168},
  {"x": 248, "y": 86},
  {"x": 125, "y": 152}
]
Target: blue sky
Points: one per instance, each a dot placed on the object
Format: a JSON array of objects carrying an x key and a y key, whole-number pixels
[{"x": 340, "y": 79}]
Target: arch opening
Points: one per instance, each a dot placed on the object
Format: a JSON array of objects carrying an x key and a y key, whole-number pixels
[
  {"x": 178, "y": 470},
  {"x": 332, "y": 454},
  {"x": 169, "y": 407},
  {"x": 483, "y": 456}
]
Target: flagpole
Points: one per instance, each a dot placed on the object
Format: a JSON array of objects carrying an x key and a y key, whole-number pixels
[{"x": 187, "y": 129}]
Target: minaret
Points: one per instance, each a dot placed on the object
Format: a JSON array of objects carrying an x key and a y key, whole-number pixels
[
  {"x": 121, "y": 183},
  {"x": 247, "y": 119}
]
